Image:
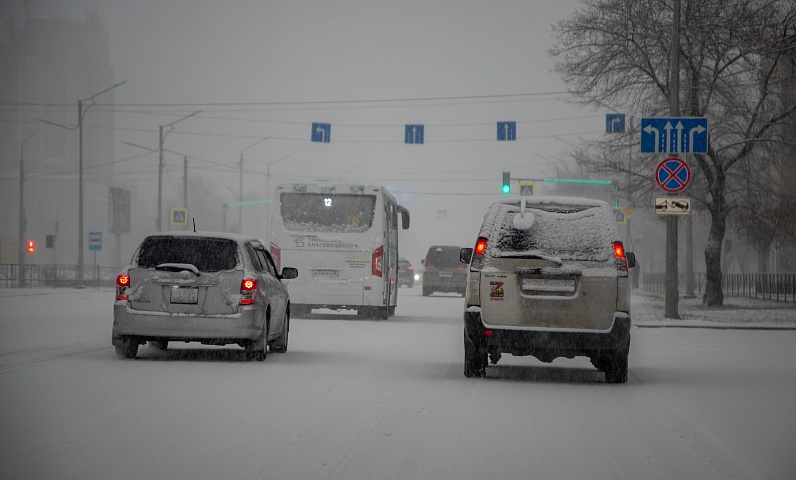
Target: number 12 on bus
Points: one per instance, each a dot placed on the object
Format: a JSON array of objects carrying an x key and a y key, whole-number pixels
[{"x": 344, "y": 241}]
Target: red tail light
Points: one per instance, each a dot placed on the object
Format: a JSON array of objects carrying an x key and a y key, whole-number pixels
[
  {"x": 122, "y": 283},
  {"x": 480, "y": 246},
  {"x": 619, "y": 250},
  {"x": 378, "y": 261},
  {"x": 276, "y": 253},
  {"x": 248, "y": 291},
  {"x": 477, "y": 261},
  {"x": 620, "y": 258}
]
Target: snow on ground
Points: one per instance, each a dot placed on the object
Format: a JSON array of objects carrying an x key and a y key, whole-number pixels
[{"x": 358, "y": 399}]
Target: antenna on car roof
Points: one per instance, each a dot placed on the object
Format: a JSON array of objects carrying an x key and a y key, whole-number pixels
[{"x": 194, "y": 224}]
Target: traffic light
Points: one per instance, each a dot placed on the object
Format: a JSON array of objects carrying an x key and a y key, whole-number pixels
[
  {"x": 31, "y": 246},
  {"x": 506, "y": 183}
]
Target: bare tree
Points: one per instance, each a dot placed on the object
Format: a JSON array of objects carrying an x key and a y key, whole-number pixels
[{"x": 614, "y": 53}]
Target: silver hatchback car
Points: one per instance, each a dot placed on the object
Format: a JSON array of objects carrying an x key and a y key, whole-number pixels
[
  {"x": 548, "y": 277},
  {"x": 213, "y": 288}
]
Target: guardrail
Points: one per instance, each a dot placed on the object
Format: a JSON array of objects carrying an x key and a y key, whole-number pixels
[
  {"x": 773, "y": 286},
  {"x": 13, "y": 275}
]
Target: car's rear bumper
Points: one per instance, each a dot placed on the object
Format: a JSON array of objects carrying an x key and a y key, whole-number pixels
[
  {"x": 240, "y": 327},
  {"x": 547, "y": 344}
]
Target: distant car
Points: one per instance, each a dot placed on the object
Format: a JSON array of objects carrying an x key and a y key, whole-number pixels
[
  {"x": 406, "y": 273},
  {"x": 443, "y": 272},
  {"x": 213, "y": 288},
  {"x": 548, "y": 277}
]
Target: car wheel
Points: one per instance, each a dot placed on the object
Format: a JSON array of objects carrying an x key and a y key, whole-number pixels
[
  {"x": 258, "y": 349},
  {"x": 160, "y": 344},
  {"x": 426, "y": 291},
  {"x": 126, "y": 347},
  {"x": 616, "y": 365},
  {"x": 475, "y": 359},
  {"x": 280, "y": 344}
]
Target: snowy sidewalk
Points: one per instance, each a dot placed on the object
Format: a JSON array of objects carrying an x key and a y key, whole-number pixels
[{"x": 737, "y": 313}]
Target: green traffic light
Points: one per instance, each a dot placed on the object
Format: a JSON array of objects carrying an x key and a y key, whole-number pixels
[{"x": 506, "y": 189}]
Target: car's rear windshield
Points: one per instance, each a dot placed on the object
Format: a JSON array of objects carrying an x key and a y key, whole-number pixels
[
  {"x": 206, "y": 254},
  {"x": 446, "y": 256},
  {"x": 583, "y": 234},
  {"x": 325, "y": 212}
]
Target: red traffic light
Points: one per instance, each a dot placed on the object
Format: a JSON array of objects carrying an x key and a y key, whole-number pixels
[{"x": 31, "y": 246}]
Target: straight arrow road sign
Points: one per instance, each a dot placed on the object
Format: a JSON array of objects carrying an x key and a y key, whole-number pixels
[{"x": 674, "y": 135}]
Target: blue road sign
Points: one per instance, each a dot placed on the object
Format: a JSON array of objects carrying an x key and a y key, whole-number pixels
[
  {"x": 615, "y": 123},
  {"x": 179, "y": 216},
  {"x": 321, "y": 132},
  {"x": 95, "y": 241},
  {"x": 674, "y": 135},
  {"x": 506, "y": 131},
  {"x": 673, "y": 175},
  {"x": 413, "y": 134}
]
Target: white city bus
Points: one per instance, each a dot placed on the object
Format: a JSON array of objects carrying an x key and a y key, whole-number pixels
[{"x": 344, "y": 241}]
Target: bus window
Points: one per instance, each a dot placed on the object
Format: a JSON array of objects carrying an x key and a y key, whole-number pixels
[{"x": 313, "y": 212}]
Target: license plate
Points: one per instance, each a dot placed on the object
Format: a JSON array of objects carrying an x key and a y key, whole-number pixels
[
  {"x": 446, "y": 275},
  {"x": 548, "y": 285},
  {"x": 184, "y": 294},
  {"x": 326, "y": 273}
]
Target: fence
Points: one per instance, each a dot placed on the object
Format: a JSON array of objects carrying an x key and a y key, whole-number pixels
[
  {"x": 773, "y": 286},
  {"x": 13, "y": 275}
]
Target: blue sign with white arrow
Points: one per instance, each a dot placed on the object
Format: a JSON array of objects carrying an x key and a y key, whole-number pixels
[
  {"x": 615, "y": 123},
  {"x": 674, "y": 135},
  {"x": 413, "y": 134},
  {"x": 506, "y": 131},
  {"x": 321, "y": 132}
]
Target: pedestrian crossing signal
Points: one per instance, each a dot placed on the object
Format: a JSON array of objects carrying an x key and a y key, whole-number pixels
[{"x": 31, "y": 246}]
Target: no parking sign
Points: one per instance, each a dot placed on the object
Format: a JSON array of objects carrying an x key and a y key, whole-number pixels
[{"x": 673, "y": 175}]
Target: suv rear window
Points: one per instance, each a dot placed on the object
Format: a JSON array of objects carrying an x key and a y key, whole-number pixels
[
  {"x": 568, "y": 233},
  {"x": 206, "y": 254},
  {"x": 443, "y": 256}
]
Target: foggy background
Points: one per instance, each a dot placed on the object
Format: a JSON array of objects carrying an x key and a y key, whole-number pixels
[{"x": 259, "y": 69}]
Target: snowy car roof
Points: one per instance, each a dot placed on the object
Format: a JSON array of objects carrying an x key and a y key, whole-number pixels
[{"x": 222, "y": 235}]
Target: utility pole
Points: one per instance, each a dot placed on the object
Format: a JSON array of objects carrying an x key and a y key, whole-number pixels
[
  {"x": 161, "y": 140},
  {"x": 80, "y": 115},
  {"x": 672, "y": 293},
  {"x": 185, "y": 186},
  {"x": 22, "y": 220},
  {"x": 240, "y": 182}
]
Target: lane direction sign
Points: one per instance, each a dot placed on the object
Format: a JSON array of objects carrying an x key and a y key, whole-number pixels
[
  {"x": 673, "y": 175},
  {"x": 674, "y": 135},
  {"x": 321, "y": 132},
  {"x": 413, "y": 134},
  {"x": 506, "y": 131},
  {"x": 614, "y": 123}
]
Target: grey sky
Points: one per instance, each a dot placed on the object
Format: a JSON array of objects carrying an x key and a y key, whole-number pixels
[{"x": 239, "y": 61}]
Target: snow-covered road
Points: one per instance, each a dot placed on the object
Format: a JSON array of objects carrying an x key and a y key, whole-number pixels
[{"x": 383, "y": 400}]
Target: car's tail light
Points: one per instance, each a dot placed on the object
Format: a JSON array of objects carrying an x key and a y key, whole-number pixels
[
  {"x": 276, "y": 253},
  {"x": 480, "y": 246},
  {"x": 477, "y": 261},
  {"x": 122, "y": 284},
  {"x": 248, "y": 291},
  {"x": 620, "y": 258},
  {"x": 377, "y": 263}
]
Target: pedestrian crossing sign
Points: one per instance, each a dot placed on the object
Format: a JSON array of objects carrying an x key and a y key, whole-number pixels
[
  {"x": 179, "y": 216},
  {"x": 527, "y": 189}
]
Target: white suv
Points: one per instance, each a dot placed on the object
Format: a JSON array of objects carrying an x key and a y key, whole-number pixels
[{"x": 549, "y": 278}]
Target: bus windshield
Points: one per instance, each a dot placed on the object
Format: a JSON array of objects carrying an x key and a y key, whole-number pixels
[{"x": 327, "y": 212}]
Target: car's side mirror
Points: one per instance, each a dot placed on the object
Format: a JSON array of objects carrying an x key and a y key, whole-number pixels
[
  {"x": 465, "y": 254},
  {"x": 631, "y": 259},
  {"x": 289, "y": 273}
]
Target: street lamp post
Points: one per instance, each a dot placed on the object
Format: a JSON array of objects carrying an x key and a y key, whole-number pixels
[
  {"x": 161, "y": 139},
  {"x": 22, "y": 210},
  {"x": 80, "y": 114},
  {"x": 240, "y": 182}
]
